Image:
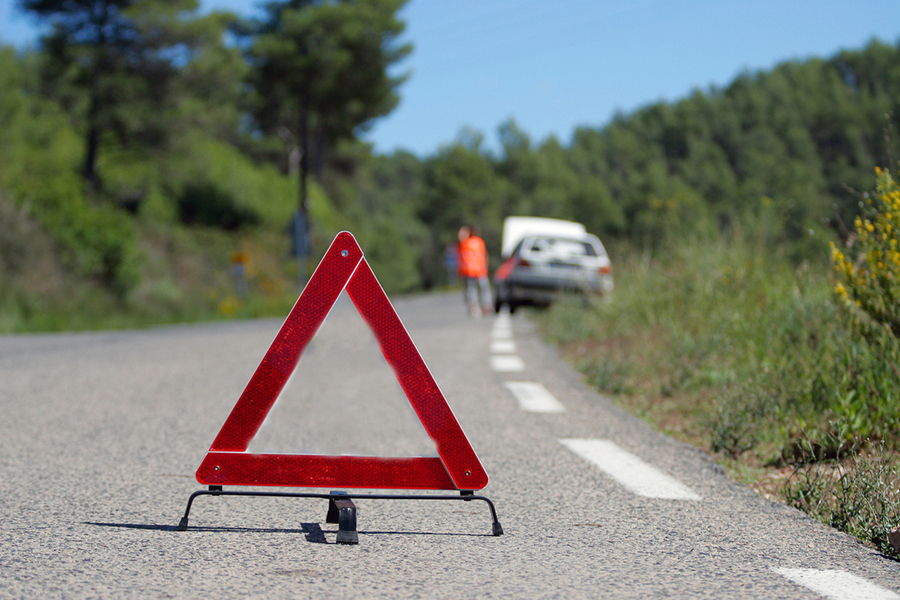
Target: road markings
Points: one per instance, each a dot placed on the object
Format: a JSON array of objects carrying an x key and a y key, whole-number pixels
[
  {"x": 837, "y": 585},
  {"x": 503, "y": 346},
  {"x": 507, "y": 363},
  {"x": 629, "y": 470},
  {"x": 501, "y": 333},
  {"x": 533, "y": 397}
]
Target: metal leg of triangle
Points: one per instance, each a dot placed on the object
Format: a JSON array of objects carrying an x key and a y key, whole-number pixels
[{"x": 341, "y": 509}]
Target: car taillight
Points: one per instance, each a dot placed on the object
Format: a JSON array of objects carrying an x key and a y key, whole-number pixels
[
  {"x": 505, "y": 269},
  {"x": 605, "y": 270}
]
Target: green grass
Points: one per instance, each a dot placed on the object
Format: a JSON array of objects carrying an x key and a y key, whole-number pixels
[
  {"x": 730, "y": 346},
  {"x": 186, "y": 276}
]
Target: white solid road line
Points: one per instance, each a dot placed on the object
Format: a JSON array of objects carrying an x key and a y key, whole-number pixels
[
  {"x": 503, "y": 346},
  {"x": 533, "y": 397},
  {"x": 837, "y": 585},
  {"x": 507, "y": 363},
  {"x": 629, "y": 470}
]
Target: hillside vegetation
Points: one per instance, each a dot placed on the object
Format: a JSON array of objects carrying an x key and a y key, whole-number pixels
[{"x": 779, "y": 152}]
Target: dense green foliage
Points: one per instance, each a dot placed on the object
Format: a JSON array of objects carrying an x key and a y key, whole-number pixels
[
  {"x": 785, "y": 147},
  {"x": 869, "y": 278},
  {"x": 133, "y": 171},
  {"x": 738, "y": 333},
  {"x": 321, "y": 69},
  {"x": 211, "y": 152},
  {"x": 129, "y": 71}
]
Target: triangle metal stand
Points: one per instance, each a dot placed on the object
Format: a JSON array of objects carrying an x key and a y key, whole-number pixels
[{"x": 341, "y": 509}]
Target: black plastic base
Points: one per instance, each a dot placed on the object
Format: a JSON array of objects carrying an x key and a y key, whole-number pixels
[{"x": 341, "y": 509}]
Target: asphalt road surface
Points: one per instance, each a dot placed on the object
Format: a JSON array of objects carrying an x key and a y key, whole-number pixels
[{"x": 102, "y": 434}]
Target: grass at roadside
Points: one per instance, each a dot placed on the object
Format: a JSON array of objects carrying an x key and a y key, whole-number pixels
[
  {"x": 187, "y": 276},
  {"x": 731, "y": 347}
]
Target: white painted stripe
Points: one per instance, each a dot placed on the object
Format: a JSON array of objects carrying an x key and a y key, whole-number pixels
[
  {"x": 533, "y": 397},
  {"x": 507, "y": 363},
  {"x": 503, "y": 346},
  {"x": 502, "y": 333},
  {"x": 837, "y": 585},
  {"x": 629, "y": 470}
]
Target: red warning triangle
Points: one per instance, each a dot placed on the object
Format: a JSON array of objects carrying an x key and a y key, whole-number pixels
[{"x": 229, "y": 463}]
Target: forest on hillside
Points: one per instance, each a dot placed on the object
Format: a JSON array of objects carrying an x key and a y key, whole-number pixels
[{"x": 144, "y": 144}]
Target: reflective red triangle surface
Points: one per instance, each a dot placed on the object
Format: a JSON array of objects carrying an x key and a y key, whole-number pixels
[{"x": 229, "y": 463}]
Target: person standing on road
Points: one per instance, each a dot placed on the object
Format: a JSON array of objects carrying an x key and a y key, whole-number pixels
[{"x": 473, "y": 272}]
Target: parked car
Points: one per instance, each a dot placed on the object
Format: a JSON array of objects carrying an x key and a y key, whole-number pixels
[{"x": 541, "y": 266}]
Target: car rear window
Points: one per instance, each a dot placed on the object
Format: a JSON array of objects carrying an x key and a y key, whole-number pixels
[{"x": 562, "y": 247}]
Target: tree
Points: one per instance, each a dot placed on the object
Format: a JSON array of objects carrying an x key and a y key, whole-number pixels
[
  {"x": 461, "y": 186},
  {"x": 320, "y": 71},
  {"x": 115, "y": 64}
]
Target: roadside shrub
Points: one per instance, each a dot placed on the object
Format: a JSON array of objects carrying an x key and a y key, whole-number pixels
[
  {"x": 859, "y": 495},
  {"x": 99, "y": 241},
  {"x": 868, "y": 275},
  {"x": 734, "y": 424},
  {"x": 40, "y": 154},
  {"x": 206, "y": 204}
]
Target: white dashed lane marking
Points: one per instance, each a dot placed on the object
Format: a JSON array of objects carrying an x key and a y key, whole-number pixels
[
  {"x": 533, "y": 397},
  {"x": 629, "y": 470},
  {"x": 507, "y": 363},
  {"x": 503, "y": 346},
  {"x": 644, "y": 480},
  {"x": 501, "y": 333},
  {"x": 837, "y": 585}
]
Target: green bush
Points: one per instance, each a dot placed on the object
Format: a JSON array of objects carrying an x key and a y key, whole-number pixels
[
  {"x": 205, "y": 204},
  {"x": 40, "y": 153},
  {"x": 869, "y": 278}
]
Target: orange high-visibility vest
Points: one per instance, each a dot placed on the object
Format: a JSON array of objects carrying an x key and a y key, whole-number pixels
[{"x": 472, "y": 257}]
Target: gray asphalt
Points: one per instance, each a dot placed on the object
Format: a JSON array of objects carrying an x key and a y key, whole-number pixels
[{"x": 102, "y": 433}]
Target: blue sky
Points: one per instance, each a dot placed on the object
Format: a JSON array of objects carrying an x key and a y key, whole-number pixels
[{"x": 556, "y": 65}]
